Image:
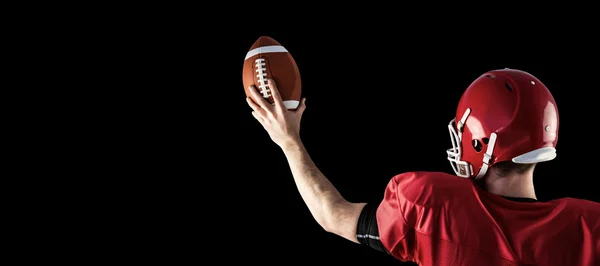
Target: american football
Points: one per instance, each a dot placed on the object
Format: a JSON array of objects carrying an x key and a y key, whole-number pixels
[{"x": 268, "y": 59}]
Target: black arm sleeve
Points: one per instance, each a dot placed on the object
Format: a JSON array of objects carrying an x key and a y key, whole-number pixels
[{"x": 367, "y": 231}]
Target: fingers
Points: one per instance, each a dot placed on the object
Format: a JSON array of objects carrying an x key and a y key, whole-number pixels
[
  {"x": 301, "y": 107},
  {"x": 258, "y": 117},
  {"x": 275, "y": 92},
  {"x": 258, "y": 98},
  {"x": 255, "y": 107},
  {"x": 257, "y": 111}
]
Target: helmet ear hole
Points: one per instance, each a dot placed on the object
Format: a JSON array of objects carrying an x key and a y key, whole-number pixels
[
  {"x": 485, "y": 140},
  {"x": 508, "y": 87},
  {"x": 477, "y": 145}
]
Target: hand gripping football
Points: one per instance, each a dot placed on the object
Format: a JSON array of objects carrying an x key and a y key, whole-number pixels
[{"x": 267, "y": 59}]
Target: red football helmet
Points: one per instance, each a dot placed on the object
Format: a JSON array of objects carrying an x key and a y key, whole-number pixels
[{"x": 503, "y": 115}]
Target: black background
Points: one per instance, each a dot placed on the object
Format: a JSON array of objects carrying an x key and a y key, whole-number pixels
[{"x": 147, "y": 151}]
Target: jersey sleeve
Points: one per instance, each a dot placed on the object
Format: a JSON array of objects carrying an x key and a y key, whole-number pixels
[
  {"x": 367, "y": 231},
  {"x": 396, "y": 217}
]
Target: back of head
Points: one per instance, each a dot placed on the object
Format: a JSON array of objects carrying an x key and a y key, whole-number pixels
[{"x": 505, "y": 115}]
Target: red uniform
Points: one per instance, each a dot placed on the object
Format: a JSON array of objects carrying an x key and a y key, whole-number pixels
[{"x": 434, "y": 218}]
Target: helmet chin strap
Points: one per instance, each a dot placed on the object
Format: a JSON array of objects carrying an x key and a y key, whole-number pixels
[
  {"x": 461, "y": 124},
  {"x": 487, "y": 157}
]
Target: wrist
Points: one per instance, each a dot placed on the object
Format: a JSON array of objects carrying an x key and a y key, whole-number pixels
[{"x": 291, "y": 144}]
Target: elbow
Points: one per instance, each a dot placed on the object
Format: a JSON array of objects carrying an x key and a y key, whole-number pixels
[
  {"x": 330, "y": 217},
  {"x": 325, "y": 221},
  {"x": 342, "y": 220},
  {"x": 327, "y": 227},
  {"x": 325, "y": 218}
]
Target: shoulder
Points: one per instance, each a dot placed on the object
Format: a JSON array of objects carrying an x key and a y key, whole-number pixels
[
  {"x": 414, "y": 200},
  {"x": 581, "y": 209},
  {"x": 429, "y": 188}
]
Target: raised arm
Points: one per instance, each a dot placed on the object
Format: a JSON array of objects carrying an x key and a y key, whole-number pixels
[
  {"x": 334, "y": 213},
  {"x": 328, "y": 207}
]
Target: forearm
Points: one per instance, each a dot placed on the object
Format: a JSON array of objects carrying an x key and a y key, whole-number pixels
[{"x": 316, "y": 190}]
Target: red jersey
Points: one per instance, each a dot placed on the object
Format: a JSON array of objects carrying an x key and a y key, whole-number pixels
[{"x": 435, "y": 218}]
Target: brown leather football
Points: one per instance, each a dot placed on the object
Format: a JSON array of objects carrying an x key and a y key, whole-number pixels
[{"x": 268, "y": 59}]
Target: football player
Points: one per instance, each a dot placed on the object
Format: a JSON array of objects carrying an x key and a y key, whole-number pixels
[{"x": 487, "y": 213}]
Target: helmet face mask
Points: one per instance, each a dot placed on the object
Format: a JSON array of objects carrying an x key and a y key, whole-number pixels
[{"x": 461, "y": 168}]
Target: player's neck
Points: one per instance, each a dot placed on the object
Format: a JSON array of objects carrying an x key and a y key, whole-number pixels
[{"x": 516, "y": 185}]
